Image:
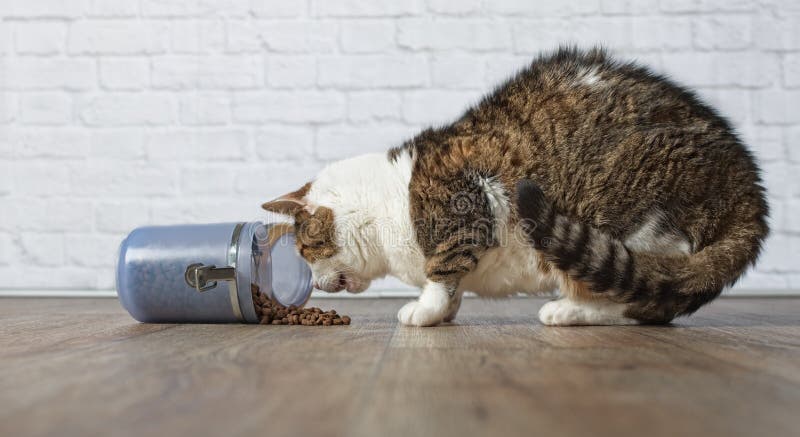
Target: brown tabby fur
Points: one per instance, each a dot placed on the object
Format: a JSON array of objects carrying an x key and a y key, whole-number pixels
[
  {"x": 602, "y": 157},
  {"x": 314, "y": 232}
]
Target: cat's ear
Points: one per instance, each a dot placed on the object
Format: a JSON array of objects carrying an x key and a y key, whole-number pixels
[{"x": 291, "y": 203}]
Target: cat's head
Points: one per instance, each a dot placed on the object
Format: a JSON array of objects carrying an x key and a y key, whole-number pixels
[{"x": 330, "y": 236}]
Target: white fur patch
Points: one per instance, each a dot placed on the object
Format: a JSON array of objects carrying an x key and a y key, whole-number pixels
[
  {"x": 369, "y": 198},
  {"x": 565, "y": 312},
  {"x": 651, "y": 237},
  {"x": 431, "y": 308},
  {"x": 588, "y": 77}
]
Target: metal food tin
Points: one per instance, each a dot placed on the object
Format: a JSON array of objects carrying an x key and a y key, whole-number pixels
[{"x": 205, "y": 273}]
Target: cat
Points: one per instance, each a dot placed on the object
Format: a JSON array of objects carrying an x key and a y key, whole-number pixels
[{"x": 581, "y": 173}]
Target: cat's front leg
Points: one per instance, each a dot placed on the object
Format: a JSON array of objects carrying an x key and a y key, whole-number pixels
[{"x": 433, "y": 306}]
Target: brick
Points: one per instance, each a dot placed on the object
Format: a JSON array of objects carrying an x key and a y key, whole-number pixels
[
  {"x": 367, "y": 36},
  {"x": 435, "y": 107},
  {"x": 282, "y": 179},
  {"x": 41, "y": 249},
  {"x": 40, "y": 37},
  {"x": 754, "y": 281},
  {"x": 216, "y": 210},
  {"x": 130, "y": 180},
  {"x": 197, "y": 36},
  {"x": 206, "y": 108},
  {"x": 112, "y": 8},
  {"x": 203, "y": 146},
  {"x": 777, "y": 178},
  {"x": 91, "y": 250},
  {"x": 790, "y": 221},
  {"x": 338, "y": 142},
  {"x": 372, "y": 71},
  {"x": 205, "y": 72},
  {"x": 539, "y": 36},
  {"x": 780, "y": 254},
  {"x": 766, "y": 142},
  {"x": 33, "y": 277},
  {"x": 777, "y": 214},
  {"x": 278, "y": 9},
  {"x": 117, "y": 144},
  {"x": 9, "y": 107},
  {"x": 458, "y": 71},
  {"x": 6, "y": 181},
  {"x": 300, "y": 36},
  {"x": 791, "y": 70},
  {"x": 41, "y": 179},
  {"x": 244, "y": 36},
  {"x": 8, "y": 249},
  {"x": 777, "y": 106},
  {"x": 127, "y": 109},
  {"x": 6, "y": 38},
  {"x": 289, "y": 106},
  {"x": 43, "y": 9},
  {"x": 793, "y": 143},
  {"x": 365, "y": 8},
  {"x": 124, "y": 73},
  {"x": 501, "y": 68},
  {"x": 474, "y": 35},
  {"x": 733, "y": 103},
  {"x": 291, "y": 71},
  {"x": 628, "y": 7},
  {"x": 448, "y": 7},
  {"x": 681, "y": 6},
  {"x": 620, "y": 33},
  {"x": 195, "y": 8},
  {"x": 284, "y": 143},
  {"x": 45, "y": 108},
  {"x": 542, "y": 8},
  {"x": 47, "y": 73},
  {"x": 36, "y": 214},
  {"x": 118, "y": 37},
  {"x": 120, "y": 216},
  {"x": 374, "y": 105},
  {"x": 777, "y": 33},
  {"x": 754, "y": 70},
  {"x": 207, "y": 181},
  {"x": 47, "y": 143},
  {"x": 655, "y": 33},
  {"x": 721, "y": 32}
]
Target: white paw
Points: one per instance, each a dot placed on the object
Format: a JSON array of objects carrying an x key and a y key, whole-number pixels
[
  {"x": 416, "y": 314},
  {"x": 565, "y": 312},
  {"x": 560, "y": 312}
]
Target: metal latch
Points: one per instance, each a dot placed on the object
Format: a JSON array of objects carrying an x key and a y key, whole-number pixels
[{"x": 204, "y": 278}]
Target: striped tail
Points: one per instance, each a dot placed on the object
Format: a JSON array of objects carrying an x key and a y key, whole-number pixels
[{"x": 658, "y": 287}]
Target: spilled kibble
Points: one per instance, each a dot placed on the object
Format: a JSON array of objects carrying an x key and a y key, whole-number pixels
[{"x": 270, "y": 312}]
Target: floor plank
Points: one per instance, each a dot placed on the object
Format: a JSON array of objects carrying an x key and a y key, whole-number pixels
[{"x": 83, "y": 367}]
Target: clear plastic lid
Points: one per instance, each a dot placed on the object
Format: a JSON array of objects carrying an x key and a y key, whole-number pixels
[{"x": 278, "y": 270}]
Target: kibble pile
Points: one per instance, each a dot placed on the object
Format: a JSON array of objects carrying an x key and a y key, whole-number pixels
[{"x": 273, "y": 313}]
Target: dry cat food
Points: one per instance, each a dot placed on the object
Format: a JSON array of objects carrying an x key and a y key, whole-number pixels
[{"x": 273, "y": 313}]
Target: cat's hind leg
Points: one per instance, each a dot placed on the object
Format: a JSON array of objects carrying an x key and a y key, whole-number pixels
[
  {"x": 579, "y": 306},
  {"x": 569, "y": 312}
]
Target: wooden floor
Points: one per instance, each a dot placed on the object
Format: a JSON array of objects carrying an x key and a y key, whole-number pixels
[{"x": 83, "y": 367}]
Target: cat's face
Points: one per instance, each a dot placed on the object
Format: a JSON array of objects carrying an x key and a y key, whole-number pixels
[{"x": 325, "y": 239}]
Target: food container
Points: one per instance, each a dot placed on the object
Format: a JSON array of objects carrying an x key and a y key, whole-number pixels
[{"x": 205, "y": 273}]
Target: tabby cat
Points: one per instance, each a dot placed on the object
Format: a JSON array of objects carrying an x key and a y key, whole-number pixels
[{"x": 616, "y": 186}]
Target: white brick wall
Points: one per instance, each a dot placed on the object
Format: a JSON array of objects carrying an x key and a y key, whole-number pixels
[{"x": 120, "y": 113}]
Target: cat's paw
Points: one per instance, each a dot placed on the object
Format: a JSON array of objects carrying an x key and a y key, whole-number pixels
[
  {"x": 416, "y": 314},
  {"x": 561, "y": 312},
  {"x": 565, "y": 312}
]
